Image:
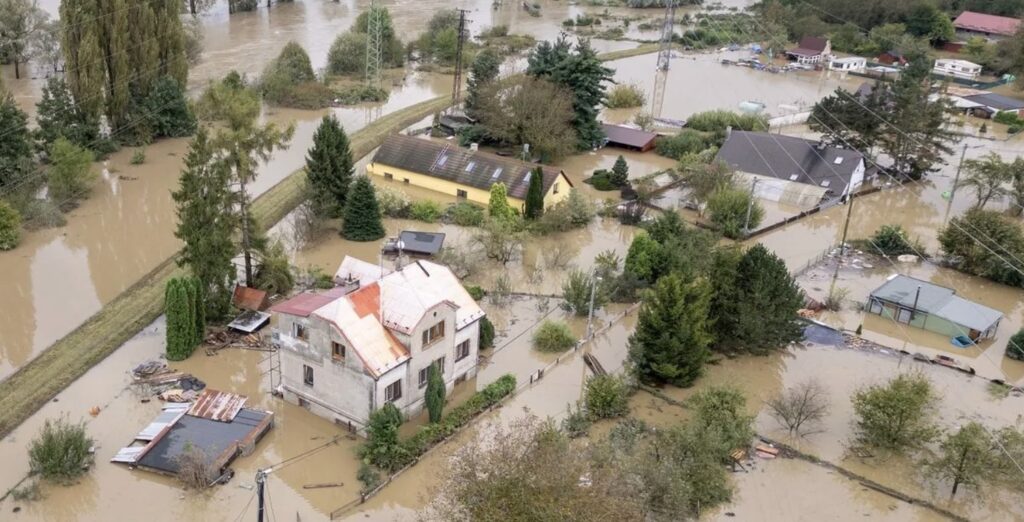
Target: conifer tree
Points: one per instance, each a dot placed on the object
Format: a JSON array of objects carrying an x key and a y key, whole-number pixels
[
  {"x": 362, "y": 213},
  {"x": 15, "y": 147},
  {"x": 670, "y": 343},
  {"x": 497, "y": 206},
  {"x": 198, "y": 309},
  {"x": 535, "y": 195},
  {"x": 58, "y": 116},
  {"x": 435, "y": 393},
  {"x": 757, "y": 309},
  {"x": 620, "y": 172},
  {"x": 329, "y": 167},
  {"x": 484, "y": 70},
  {"x": 206, "y": 222},
  {"x": 180, "y": 328},
  {"x": 581, "y": 71}
]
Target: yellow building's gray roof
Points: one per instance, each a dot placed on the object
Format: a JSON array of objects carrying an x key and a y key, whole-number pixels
[{"x": 463, "y": 166}]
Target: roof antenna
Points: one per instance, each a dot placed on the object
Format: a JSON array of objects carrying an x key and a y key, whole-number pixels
[{"x": 399, "y": 245}]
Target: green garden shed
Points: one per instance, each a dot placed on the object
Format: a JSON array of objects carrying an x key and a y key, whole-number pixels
[{"x": 934, "y": 308}]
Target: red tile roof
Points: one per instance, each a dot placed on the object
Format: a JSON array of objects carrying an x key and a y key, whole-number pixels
[
  {"x": 306, "y": 303},
  {"x": 986, "y": 23}
]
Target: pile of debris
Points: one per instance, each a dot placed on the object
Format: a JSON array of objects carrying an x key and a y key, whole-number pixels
[
  {"x": 167, "y": 384},
  {"x": 221, "y": 339}
]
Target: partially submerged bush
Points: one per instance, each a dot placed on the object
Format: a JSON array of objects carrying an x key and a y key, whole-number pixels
[
  {"x": 727, "y": 209},
  {"x": 1015, "y": 348},
  {"x": 393, "y": 203},
  {"x": 10, "y": 226},
  {"x": 576, "y": 422},
  {"x": 893, "y": 240},
  {"x": 553, "y": 336},
  {"x": 486, "y": 333},
  {"x": 624, "y": 96},
  {"x": 606, "y": 396},
  {"x": 369, "y": 477},
  {"x": 464, "y": 214},
  {"x": 195, "y": 468},
  {"x": 61, "y": 452},
  {"x": 687, "y": 141},
  {"x": 425, "y": 210}
]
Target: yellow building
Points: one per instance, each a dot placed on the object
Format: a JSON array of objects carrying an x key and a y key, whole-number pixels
[{"x": 466, "y": 174}]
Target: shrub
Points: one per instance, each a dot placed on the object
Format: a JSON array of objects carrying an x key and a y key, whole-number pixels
[
  {"x": 553, "y": 336},
  {"x": 70, "y": 175},
  {"x": 28, "y": 493},
  {"x": 347, "y": 54},
  {"x": 425, "y": 210},
  {"x": 369, "y": 477},
  {"x": 581, "y": 209},
  {"x": 716, "y": 122},
  {"x": 464, "y": 214},
  {"x": 475, "y": 292},
  {"x": 1015, "y": 348},
  {"x": 37, "y": 213},
  {"x": 393, "y": 202},
  {"x": 360, "y": 93},
  {"x": 687, "y": 141},
  {"x": 727, "y": 209},
  {"x": 138, "y": 157},
  {"x": 291, "y": 67},
  {"x": 496, "y": 31},
  {"x": 624, "y": 96},
  {"x": 382, "y": 448},
  {"x": 557, "y": 218},
  {"x": 1008, "y": 118},
  {"x": 601, "y": 180},
  {"x": 274, "y": 271},
  {"x": 892, "y": 240},
  {"x": 486, "y": 333},
  {"x": 10, "y": 226},
  {"x": 606, "y": 396},
  {"x": 576, "y": 291},
  {"x": 576, "y": 422},
  {"x": 165, "y": 111},
  {"x": 61, "y": 451},
  {"x": 195, "y": 468}
]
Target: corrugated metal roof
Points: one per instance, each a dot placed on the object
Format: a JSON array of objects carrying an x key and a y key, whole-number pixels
[
  {"x": 306, "y": 303},
  {"x": 968, "y": 313},
  {"x": 938, "y": 301},
  {"x": 463, "y": 166},
  {"x": 996, "y": 101},
  {"x": 627, "y": 136},
  {"x": 168, "y": 416},
  {"x": 217, "y": 405},
  {"x": 356, "y": 317},
  {"x": 249, "y": 298},
  {"x": 986, "y": 23}
]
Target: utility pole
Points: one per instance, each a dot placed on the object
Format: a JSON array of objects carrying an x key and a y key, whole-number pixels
[
  {"x": 750, "y": 207},
  {"x": 261, "y": 480},
  {"x": 590, "y": 314},
  {"x": 664, "y": 59},
  {"x": 842, "y": 244},
  {"x": 457, "y": 86},
  {"x": 956, "y": 181},
  {"x": 373, "y": 46}
]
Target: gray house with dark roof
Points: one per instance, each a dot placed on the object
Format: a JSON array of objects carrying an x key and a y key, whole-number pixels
[
  {"x": 811, "y": 50},
  {"x": 791, "y": 170},
  {"x": 462, "y": 173}
]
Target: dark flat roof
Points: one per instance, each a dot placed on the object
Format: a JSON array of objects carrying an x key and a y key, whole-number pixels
[
  {"x": 996, "y": 101},
  {"x": 211, "y": 436},
  {"x": 422, "y": 242}
]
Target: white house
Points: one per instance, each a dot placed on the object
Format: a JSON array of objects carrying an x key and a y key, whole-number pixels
[
  {"x": 957, "y": 68},
  {"x": 372, "y": 339},
  {"x": 792, "y": 170},
  {"x": 851, "y": 63}
]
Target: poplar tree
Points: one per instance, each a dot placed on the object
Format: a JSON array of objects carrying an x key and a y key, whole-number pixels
[
  {"x": 86, "y": 75},
  {"x": 535, "y": 195},
  {"x": 362, "y": 213},
  {"x": 435, "y": 393},
  {"x": 329, "y": 167},
  {"x": 206, "y": 222},
  {"x": 113, "y": 41},
  {"x": 670, "y": 343},
  {"x": 180, "y": 333}
]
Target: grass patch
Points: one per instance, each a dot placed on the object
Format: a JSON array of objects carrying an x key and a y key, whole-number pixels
[{"x": 999, "y": 390}]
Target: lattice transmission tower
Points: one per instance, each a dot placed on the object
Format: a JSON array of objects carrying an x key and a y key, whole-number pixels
[
  {"x": 374, "y": 50},
  {"x": 664, "y": 58}
]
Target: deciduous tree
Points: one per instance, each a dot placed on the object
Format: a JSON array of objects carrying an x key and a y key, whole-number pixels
[
  {"x": 507, "y": 110},
  {"x": 985, "y": 243},
  {"x": 728, "y": 210},
  {"x": 19, "y": 22},
  {"x": 10, "y": 226},
  {"x": 897, "y": 415},
  {"x": 967, "y": 457},
  {"x": 800, "y": 407},
  {"x": 987, "y": 177},
  {"x": 672, "y": 336},
  {"x": 484, "y": 70},
  {"x": 70, "y": 175}
]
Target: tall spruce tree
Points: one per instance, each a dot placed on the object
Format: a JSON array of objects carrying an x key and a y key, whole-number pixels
[
  {"x": 16, "y": 145},
  {"x": 58, "y": 116},
  {"x": 580, "y": 71},
  {"x": 670, "y": 343},
  {"x": 362, "y": 213},
  {"x": 535, "y": 195},
  {"x": 484, "y": 70},
  {"x": 329, "y": 168},
  {"x": 435, "y": 393},
  {"x": 206, "y": 223},
  {"x": 180, "y": 333},
  {"x": 757, "y": 310}
]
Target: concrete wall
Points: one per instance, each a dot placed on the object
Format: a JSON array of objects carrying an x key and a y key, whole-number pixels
[{"x": 473, "y": 194}]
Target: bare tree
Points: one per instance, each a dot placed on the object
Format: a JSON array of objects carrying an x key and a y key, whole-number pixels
[
  {"x": 500, "y": 239},
  {"x": 462, "y": 259},
  {"x": 800, "y": 407},
  {"x": 194, "y": 468}
]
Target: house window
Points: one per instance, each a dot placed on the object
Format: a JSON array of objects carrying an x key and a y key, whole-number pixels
[
  {"x": 406, "y": 181},
  {"x": 876, "y": 306},
  {"x": 307, "y": 374},
  {"x": 389, "y": 176},
  {"x": 424, "y": 373},
  {"x": 338, "y": 351},
  {"x": 556, "y": 188},
  {"x": 462, "y": 350},
  {"x": 299, "y": 331},
  {"x": 435, "y": 333},
  {"x": 904, "y": 316},
  {"x": 461, "y": 194},
  {"x": 393, "y": 392}
]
